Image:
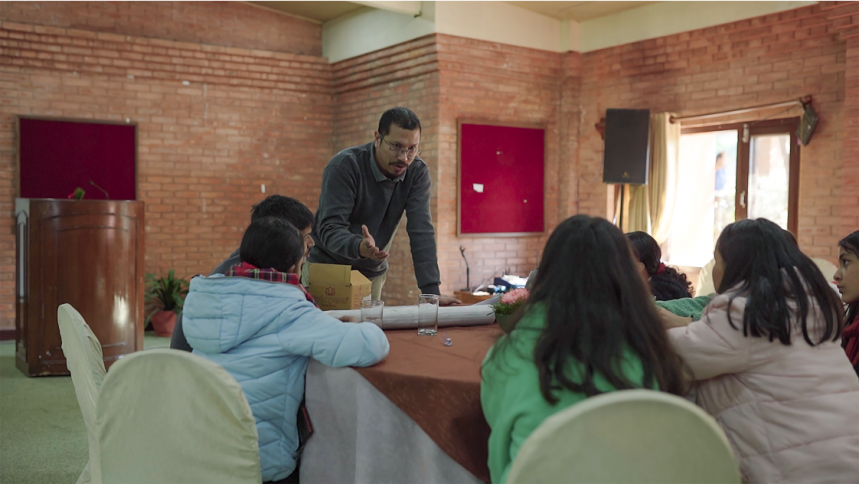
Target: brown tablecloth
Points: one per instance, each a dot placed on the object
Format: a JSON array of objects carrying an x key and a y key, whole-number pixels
[{"x": 439, "y": 388}]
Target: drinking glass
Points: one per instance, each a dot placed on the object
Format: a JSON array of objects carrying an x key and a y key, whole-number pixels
[
  {"x": 371, "y": 311},
  {"x": 428, "y": 314}
]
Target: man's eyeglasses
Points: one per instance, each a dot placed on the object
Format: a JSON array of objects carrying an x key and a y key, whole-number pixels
[{"x": 399, "y": 150}]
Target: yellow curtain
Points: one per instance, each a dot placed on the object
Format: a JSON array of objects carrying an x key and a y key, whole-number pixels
[
  {"x": 639, "y": 208},
  {"x": 664, "y": 160},
  {"x": 650, "y": 205}
]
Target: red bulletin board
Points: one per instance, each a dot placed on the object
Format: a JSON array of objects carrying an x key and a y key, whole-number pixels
[
  {"x": 500, "y": 180},
  {"x": 56, "y": 156}
]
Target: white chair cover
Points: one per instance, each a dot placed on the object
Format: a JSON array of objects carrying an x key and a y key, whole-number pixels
[
  {"x": 827, "y": 268},
  {"x": 168, "y": 416},
  {"x": 639, "y": 436},
  {"x": 705, "y": 280},
  {"x": 85, "y": 362}
]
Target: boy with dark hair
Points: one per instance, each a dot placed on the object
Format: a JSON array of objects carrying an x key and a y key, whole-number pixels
[
  {"x": 278, "y": 206},
  {"x": 262, "y": 326}
]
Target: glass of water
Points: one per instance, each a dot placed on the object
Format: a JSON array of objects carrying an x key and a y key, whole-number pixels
[
  {"x": 371, "y": 311},
  {"x": 428, "y": 314}
]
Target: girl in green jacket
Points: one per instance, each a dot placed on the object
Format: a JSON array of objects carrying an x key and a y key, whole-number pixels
[{"x": 589, "y": 327}]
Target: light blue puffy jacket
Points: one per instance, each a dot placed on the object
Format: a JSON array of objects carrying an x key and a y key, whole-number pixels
[{"x": 263, "y": 333}]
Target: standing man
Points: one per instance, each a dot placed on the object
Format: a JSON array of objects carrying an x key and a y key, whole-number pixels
[{"x": 365, "y": 190}]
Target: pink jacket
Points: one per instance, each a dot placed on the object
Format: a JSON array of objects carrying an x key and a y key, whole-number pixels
[{"x": 790, "y": 412}]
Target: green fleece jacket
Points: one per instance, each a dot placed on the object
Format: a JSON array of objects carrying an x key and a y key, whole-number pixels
[
  {"x": 510, "y": 392},
  {"x": 688, "y": 306}
]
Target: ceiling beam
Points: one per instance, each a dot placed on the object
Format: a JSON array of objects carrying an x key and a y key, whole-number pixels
[{"x": 408, "y": 8}]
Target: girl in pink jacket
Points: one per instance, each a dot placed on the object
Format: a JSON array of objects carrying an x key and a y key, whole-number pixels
[{"x": 768, "y": 362}]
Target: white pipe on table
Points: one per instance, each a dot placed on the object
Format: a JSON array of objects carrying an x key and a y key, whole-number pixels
[{"x": 405, "y": 317}]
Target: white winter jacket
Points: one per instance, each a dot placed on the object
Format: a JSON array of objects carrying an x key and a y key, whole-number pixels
[{"x": 790, "y": 412}]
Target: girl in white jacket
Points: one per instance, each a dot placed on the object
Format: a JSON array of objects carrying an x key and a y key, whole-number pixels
[{"x": 768, "y": 362}]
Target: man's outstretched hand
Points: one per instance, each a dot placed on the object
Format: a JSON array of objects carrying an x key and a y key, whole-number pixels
[{"x": 368, "y": 249}]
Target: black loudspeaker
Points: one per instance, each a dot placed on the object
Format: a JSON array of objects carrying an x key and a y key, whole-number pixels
[{"x": 627, "y": 146}]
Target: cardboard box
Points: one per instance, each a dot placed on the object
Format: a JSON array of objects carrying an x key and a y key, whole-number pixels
[
  {"x": 467, "y": 297},
  {"x": 337, "y": 286}
]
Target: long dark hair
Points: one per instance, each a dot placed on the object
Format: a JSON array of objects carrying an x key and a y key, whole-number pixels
[
  {"x": 851, "y": 245},
  {"x": 666, "y": 283},
  {"x": 769, "y": 270},
  {"x": 597, "y": 310}
]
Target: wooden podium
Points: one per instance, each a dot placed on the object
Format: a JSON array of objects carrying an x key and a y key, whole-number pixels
[{"x": 88, "y": 253}]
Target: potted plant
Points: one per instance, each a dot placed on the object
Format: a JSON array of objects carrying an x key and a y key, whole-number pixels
[
  {"x": 164, "y": 299},
  {"x": 510, "y": 303}
]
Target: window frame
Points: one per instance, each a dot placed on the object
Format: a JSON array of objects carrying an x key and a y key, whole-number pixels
[{"x": 745, "y": 131}]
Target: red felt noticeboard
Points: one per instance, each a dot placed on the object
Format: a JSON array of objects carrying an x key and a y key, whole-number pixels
[
  {"x": 500, "y": 179},
  {"x": 57, "y": 156}
]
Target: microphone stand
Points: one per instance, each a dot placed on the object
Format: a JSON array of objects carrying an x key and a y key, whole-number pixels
[
  {"x": 467, "y": 270},
  {"x": 106, "y": 196}
]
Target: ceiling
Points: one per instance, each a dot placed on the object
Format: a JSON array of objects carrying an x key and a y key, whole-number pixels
[
  {"x": 317, "y": 11},
  {"x": 578, "y": 11},
  {"x": 322, "y": 11}
]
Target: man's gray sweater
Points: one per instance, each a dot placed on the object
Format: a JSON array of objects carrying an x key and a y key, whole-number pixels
[{"x": 355, "y": 192}]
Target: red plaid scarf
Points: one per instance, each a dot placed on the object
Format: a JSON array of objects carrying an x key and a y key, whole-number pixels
[
  {"x": 850, "y": 336},
  {"x": 247, "y": 270}
]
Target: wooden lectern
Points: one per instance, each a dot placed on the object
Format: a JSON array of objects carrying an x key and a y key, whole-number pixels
[{"x": 88, "y": 253}]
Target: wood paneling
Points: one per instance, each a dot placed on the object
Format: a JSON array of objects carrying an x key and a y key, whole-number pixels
[{"x": 85, "y": 253}]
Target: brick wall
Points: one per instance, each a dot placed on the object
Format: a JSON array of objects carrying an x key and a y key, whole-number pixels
[
  {"x": 845, "y": 18},
  {"x": 443, "y": 79},
  {"x": 850, "y": 168},
  {"x": 502, "y": 83},
  {"x": 260, "y": 106},
  {"x": 244, "y": 117},
  {"x": 762, "y": 60},
  {"x": 232, "y": 24},
  {"x": 756, "y": 61}
]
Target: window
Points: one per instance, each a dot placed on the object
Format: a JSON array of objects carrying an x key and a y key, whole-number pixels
[{"x": 728, "y": 173}]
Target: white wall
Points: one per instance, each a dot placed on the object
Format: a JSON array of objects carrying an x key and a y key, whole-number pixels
[
  {"x": 369, "y": 29},
  {"x": 667, "y": 18},
  {"x": 498, "y": 22}
]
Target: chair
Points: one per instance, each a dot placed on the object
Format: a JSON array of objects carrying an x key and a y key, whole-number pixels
[
  {"x": 628, "y": 436},
  {"x": 171, "y": 416},
  {"x": 705, "y": 280},
  {"x": 826, "y": 268},
  {"x": 85, "y": 362}
]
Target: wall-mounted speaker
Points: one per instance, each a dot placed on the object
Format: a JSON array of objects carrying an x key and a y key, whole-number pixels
[{"x": 627, "y": 146}]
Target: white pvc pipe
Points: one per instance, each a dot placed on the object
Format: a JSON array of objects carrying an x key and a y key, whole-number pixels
[{"x": 405, "y": 317}]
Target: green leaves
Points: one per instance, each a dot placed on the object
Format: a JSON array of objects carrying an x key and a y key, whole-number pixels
[
  {"x": 164, "y": 293},
  {"x": 507, "y": 309}
]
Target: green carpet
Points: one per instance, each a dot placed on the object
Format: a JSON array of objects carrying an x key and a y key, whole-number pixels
[{"x": 42, "y": 434}]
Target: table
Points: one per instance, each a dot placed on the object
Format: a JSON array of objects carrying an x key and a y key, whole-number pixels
[{"x": 415, "y": 417}]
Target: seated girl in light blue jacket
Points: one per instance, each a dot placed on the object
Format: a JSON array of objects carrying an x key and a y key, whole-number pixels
[{"x": 262, "y": 326}]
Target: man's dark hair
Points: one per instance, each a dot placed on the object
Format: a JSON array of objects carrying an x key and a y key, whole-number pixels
[
  {"x": 272, "y": 243},
  {"x": 285, "y": 208},
  {"x": 402, "y": 117}
]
